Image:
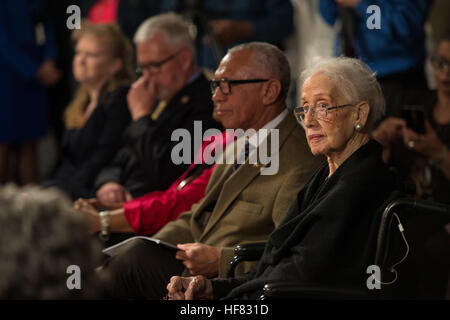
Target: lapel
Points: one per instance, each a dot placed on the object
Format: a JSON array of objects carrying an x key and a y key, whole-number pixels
[{"x": 236, "y": 182}]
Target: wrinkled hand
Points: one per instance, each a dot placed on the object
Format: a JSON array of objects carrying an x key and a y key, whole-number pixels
[
  {"x": 348, "y": 3},
  {"x": 428, "y": 144},
  {"x": 389, "y": 130},
  {"x": 141, "y": 97},
  {"x": 113, "y": 194},
  {"x": 189, "y": 288},
  {"x": 199, "y": 258},
  {"x": 48, "y": 74},
  {"x": 230, "y": 31},
  {"x": 90, "y": 212}
]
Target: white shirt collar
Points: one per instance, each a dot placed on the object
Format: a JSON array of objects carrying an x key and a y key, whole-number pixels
[{"x": 272, "y": 124}]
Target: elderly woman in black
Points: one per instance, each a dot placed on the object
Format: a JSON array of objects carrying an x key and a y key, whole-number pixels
[{"x": 328, "y": 235}]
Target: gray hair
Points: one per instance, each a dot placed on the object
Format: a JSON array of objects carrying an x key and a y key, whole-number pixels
[
  {"x": 355, "y": 80},
  {"x": 173, "y": 27},
  {"x": 41, "y": 237},
  {"x": 271, "y": 59}
]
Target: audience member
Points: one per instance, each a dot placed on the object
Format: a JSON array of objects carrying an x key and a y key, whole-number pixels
[
  {"x": 240, "y": 204},
  {"x": 147, "y": 214},
  {"x": 166, "y": 54},
  {"x": 223, "y": 24},
  {"x": 390, "y": 39},
  {"x": 98, "y": 114},
  {"x": 328, "y": 237},
  {"x": 27, "y": 68},
  {"x": 127, "y": 14},
  {"x": 45, "y": 246},
  {"x": 419, "y": 149}
]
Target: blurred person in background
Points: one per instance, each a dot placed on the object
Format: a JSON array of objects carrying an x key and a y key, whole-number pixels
[
  {"x": 127, "y": 14},
  {"x": 393, "y": 46},
  {"x": 418, "y": 148},
  {"x": 219, "y": 25},
  {"x": 43, "y": 241},
  {"x": 27, "y": 69},
  {"x": 98, "y": 114}
]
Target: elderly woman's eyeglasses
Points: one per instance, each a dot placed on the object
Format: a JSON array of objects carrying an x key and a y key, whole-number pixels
[
  {"x": 225, "y": 84},
  {"x": 155, "y": 67},
  {"x": 319, "y": 110}
]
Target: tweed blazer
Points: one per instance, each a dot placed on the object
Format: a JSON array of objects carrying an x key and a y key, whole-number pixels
[{"x": 245, "y": 206}]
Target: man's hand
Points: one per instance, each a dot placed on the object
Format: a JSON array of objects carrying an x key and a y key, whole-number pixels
[
  {"x": 199, "y": 258},
  {"x": 141, "y": 97},
  {"x": 48, "y": 74},
  {"x": 182, "y": 288},
  {"x": 113, "y": 194}
]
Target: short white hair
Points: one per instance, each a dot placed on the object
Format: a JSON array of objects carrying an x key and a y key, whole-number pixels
[
  {"x": 173, "y": 27},
  {"x": 355, "y": 80}
]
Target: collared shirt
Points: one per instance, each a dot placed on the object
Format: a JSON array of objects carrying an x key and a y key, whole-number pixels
[{"x": 255, "y": 140}]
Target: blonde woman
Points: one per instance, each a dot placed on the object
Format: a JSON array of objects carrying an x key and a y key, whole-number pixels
[{"x": 98, "y": 114}]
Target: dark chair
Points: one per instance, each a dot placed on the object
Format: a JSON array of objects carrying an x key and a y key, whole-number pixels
[
  {"x": 245, "y": 252},
  {"x": 414, "y": 259},
  {"x": 413, "y": 250}
]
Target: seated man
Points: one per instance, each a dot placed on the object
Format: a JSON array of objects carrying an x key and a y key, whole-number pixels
[
  {"x": 242, "y": 203},
  {"x": 165, "y": 53}
]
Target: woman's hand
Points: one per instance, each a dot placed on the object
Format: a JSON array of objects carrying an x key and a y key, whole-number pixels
[
  {"x": 90, "y": 212},
  {"x": 189, "y": 288},
  {"x": 389, "y": 130},
  {"x": 428, "y": 144}
]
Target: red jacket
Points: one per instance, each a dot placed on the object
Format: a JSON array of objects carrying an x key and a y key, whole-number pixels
[{"x": 149, "y": 213}]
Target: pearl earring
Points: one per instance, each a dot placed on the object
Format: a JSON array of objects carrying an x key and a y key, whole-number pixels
[{"x": 358, "y": 126}]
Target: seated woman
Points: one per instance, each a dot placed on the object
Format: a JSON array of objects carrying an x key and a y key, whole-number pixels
[
  {"x": 149, "y": 213},
  {"x": 422, "y": 159},
  {"x": 329, "y": 234},
  {"x": 98, "y": 114}
]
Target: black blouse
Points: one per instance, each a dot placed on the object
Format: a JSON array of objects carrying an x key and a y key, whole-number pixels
[{"x": 85, "y": 151}]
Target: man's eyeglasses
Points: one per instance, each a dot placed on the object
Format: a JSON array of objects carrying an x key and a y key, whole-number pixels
[
  {"x": 441, "y": 63},
  {"x": 225, "y": 84},
  {"x": 154, "y": 67},
  {"x": 319, "y": 110}
]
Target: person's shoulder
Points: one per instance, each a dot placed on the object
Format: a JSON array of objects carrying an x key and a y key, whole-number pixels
[{"x": 115, "y": 98}]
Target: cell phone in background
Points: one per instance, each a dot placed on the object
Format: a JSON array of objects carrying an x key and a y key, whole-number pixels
[{"x": 415, "y": 117}]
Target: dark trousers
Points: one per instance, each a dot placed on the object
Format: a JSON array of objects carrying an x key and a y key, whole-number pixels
[{"x": 141, "y": 270}]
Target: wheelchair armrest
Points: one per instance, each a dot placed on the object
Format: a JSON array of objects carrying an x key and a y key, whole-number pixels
[
  {"x": 246, "y": 252},
  {"x": 289, "y": 290}
]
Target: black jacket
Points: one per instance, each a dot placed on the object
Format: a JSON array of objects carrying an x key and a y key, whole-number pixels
[
  {"x": 85, "y": 151},
  {"x": 329, "y": 234},
  {"x": 144, "y": 163}
]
